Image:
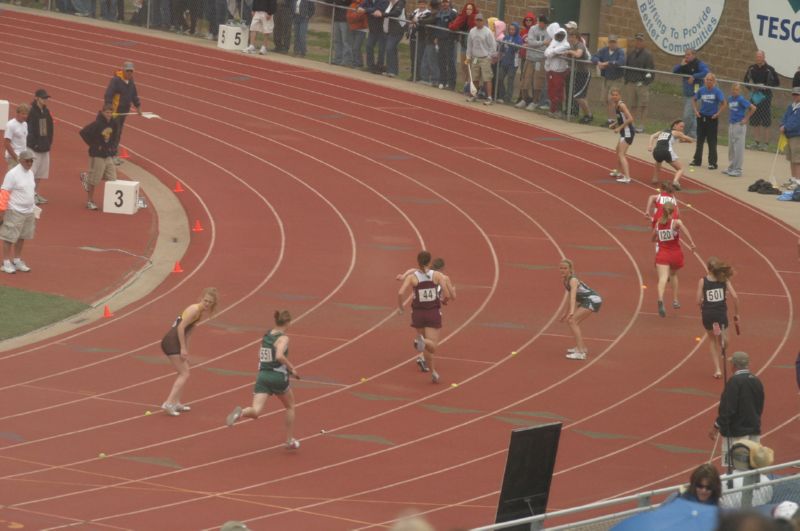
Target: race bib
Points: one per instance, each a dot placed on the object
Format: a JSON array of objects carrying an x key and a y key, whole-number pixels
[
  {"x": 665, "y": 235},
  {"x": 715, "y": 295},
  {"x": 427, "y": 295},
  {"x": 265, "y": 355}
]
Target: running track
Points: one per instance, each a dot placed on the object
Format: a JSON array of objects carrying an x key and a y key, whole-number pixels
[{"x": 315, "y": 190}]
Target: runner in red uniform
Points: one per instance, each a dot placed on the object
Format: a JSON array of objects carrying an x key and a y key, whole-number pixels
[
  {"x": 669, "y": 255},
  {"x": 426, "y": 316},
  {"x": 655, "y": 203}
]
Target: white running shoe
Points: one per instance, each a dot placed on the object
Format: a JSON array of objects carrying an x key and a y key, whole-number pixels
[
  {"x": 182, "y": 407},
  {"x": 521, "y": 104},
  {"x": 419, "y": 344},
  {"x": 422, "y": 365},
  {"x": 8, "y": 267},
  {"x": 90, "y": 206},
  {"x": 292, "y": 444},
  {"x": 576, "y": 356},
  {"x": 250, "y": 49},
  {"x": 573, "y": 349},
  {"x": 435, "y": 377},
  {"x": 170, "y": 410},
  {"x": 263, "y": 50},
  {"x": 623, "y": 179},
  {"x": 19, "y": 265},
  {"x": 233, "y": 416}
]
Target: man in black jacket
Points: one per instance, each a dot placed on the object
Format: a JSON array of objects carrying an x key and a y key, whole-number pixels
[
  {"x": 121, "y": 93},
  {"x": 99, "y": 135},
  {"x": 740, "y": 406},
  {"x": 40, "y": 140}
]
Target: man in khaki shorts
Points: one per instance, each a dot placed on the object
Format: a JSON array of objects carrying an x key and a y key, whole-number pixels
[
  {"x": 637, "y": 81},
  {"x": 18, "y": 211},
  {"x": 481, "y": 47},
  {"x": 790, "y": 126},
  {"x": 99, "y": 136}
]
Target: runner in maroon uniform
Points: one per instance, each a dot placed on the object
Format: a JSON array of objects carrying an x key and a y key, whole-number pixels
[
  {"x": 426, "y": 316},
  {"x": 669, "y": 255}
]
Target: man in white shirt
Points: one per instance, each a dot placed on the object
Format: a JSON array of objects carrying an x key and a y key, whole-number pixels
[
  {"x": 16, "y": 135},
  {"x": 481, "y": 47},
  {"x": 17, "y": 208}
]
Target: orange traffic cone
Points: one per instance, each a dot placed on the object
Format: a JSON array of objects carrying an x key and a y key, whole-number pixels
[
  {"x": 178, "y": 188},
  {"x": 123, "y": 153},
  {"x": 177, "y": 268},
  {"x": 197, "y": 227},
  {"x": 107, "y": 312}
]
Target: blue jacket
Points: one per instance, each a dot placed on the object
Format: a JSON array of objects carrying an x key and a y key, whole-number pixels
[
  {"x": 508, "y": 52},
  {"x": 697, "y": 69},
  {"x": 791, "y": 122},
  {"x": 614, "y": 59}
]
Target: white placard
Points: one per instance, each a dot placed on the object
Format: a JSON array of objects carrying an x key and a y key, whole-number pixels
[
  {"x": 675, "y": 25},
  {"x": 775, "y": 25},
  {"x": 232, "y": 37},
  {"x": 121, "y": 197}
]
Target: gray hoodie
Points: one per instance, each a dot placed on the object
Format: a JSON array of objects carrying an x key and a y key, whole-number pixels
[{"x": 535, "y": 43}]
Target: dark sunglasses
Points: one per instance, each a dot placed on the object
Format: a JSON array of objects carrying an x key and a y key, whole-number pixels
[
  {"x": 702, "y": 486},
  {"x": 26, "y": 160}
]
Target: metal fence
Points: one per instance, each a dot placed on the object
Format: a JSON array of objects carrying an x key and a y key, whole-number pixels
[{"x": 741, "y": 490}]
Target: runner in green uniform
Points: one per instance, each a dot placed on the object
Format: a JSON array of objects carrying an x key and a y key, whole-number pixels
[
  {"x": 583, "y": 301},
  {"x": 274, "y": 369}
]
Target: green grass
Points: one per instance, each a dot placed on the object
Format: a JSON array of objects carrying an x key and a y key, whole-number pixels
[{"x": 24, "y": 311}]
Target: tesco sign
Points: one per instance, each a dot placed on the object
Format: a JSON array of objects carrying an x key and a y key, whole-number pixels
[{"x": 775, "y": 25}]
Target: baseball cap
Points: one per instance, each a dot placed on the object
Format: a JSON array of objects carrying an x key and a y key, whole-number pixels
[
  {"x": 740, "y": 359},
  {"x": 639, "y": 36},
  {"x": 612, "y": 38},
  {"x": 127, "y": 65},
  {"x": 25, "y": 155},
  {"x": 479, "y": 16},
  {"x": 795, "y": 90},
  {"x": 42, "y": 93},
  {"x": 571, "y": 25}
]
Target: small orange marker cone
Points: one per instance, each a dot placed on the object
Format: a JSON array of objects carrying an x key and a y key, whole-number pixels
[
  {"x": 177, "y": 268},
  {"x": 178, "y": 188},
  {"x": 123, "y": 153},
  {"x": 107, "y": 312},
  {"x": 197, "y": 227}
]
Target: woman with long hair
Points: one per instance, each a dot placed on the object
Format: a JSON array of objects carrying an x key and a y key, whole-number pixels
[
  {"x": 661, "y": 144},
  {"x": 669, "y": 255},
  {"x": 582, "y": 302},
  {"x": 175, "y": 345},
  {"x": 705, "y": 485},
  {"x": 713, "y": 291},
  {"x": 274, "y": 369},
  {"x": 623, "y": 126}
]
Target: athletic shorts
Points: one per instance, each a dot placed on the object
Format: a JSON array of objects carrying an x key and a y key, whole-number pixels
[
  {"x": 171, "y": 345},
  {"x": 674, "y": 259},
  {"x": 101, "y": 169},
  {"x": 592, "y": 303},
  {"x": 711, "y": 317},
  {"x": 663, "y": 156},
  {"x": 261, "y": 24},
  {"x": 41, "y": 165},
  {"x": 793, "y": 150},
  {"x": 627, "y": 139},
  {"x": 17, "y": 226},
  {"x": 271, "y": 382},
  {"x": 431, "y": 318}
]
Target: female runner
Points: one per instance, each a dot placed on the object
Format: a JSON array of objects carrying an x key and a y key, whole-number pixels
[
  {"x": 669, "y": 255},
  {"x": 661, "y": 144},
  {"x": 175, "y": 345},
  {"x": 274, "y": 369},
  {"x": 712, "y": 296},
  {"x": 426, "y": 315},
  {"x": 623, "y": 126},
  {"x": 583, "y": 302},
  {"x": 655, "y": 202}
]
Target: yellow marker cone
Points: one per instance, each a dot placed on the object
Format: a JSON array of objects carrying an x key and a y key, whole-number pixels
[
  {"x": 453, "y": 384},
  {"x": 101, "y": 455},
  {"x": 513, "y": 352},
  {"x": 147, "y": 413},
  {"x": 363, "y": 379}
]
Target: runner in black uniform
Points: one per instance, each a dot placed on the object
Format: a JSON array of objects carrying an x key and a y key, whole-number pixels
[
  {"x": 712, "y": 296},
  {"x": 661, "y": 144},
  {"x": 583, "y": 302},
  {"x": 274, "y": 369},
  {"x": 175, "y": 345},
  {"x": 623, "y": 126}
]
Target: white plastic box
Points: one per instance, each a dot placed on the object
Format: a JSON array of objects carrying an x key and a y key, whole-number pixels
[
  {"x": 232, "y": 37},
  {"x": 121, "y": 197}
]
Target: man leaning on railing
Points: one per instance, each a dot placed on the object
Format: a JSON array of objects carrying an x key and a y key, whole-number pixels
[
  {"x": 609, "y": 59},
  {"x": 638, "y": 79}
]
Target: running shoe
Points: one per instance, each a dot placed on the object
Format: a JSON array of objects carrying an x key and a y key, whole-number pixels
[
  {"x": 661, "y": 310},
  {"x": 676, "y": 305},
  {"x": 531, "y": 107},
  {"x": 576, "y": 356},
  {"x": 435, "y": 377},
  {"x": 8, "y": 267},
  {"x": 614, "y": 173},
  {"x": 233, "y": 416},
  {"x": 521, "y": 104},
  {"x": 39, "y": 199},
  {"x": 419, "y": 344},
  {"x": 292, "y": 444},
  {"x": 170, "y": 410},
  {"x": 422, "y": 365},
  {"x": 182, "y": 407},
  {"x": 712, "y": 166},
  {"x": 19, "y": 265},
  {"x": 623, "y": 179},
  {"x": 90, "y": 206},
  {"x": 250, "y": 49},
  {"x": 573, "y": 349}
]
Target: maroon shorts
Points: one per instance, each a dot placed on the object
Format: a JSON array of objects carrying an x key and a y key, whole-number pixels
[
  {"x": 670, "y": 257},
  {"x": 431, "y": 318}
]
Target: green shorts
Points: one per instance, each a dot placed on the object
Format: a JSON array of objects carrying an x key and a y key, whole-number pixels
[{"x": 271, "y": 382}]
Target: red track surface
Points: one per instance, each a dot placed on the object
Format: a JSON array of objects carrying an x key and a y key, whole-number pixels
[{"x": 315, "y": 190}]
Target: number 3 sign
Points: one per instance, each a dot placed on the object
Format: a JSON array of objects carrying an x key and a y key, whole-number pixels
[{"x": 121, "y": 197}]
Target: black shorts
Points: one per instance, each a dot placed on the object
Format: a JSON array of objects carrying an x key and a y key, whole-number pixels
[
  {"x": 709, "y": 318},
  {"x": 662, "y": 156}
]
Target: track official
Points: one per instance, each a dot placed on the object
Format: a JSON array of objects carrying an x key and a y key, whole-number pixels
[{"x": 121, "y": 94}]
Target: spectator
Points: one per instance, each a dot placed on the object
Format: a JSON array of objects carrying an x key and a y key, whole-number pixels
[
  {"x": 609, "y": 60},
  {"x": 790, "y": 126},
  {"x": 580, "y": 74},
  {"x": 40, "y": 140},
  {"x": 533, "y": 80},
  {"x": 429, "y": 69},
  {"x": 415, "y": 41},
  {"x": 303, "y": 11},
  {"x": 695, "y": 72},
  {"x": 342, "y": 51},
  {"x": 708, "y": 102},
  {"x": 376, "y": 37},
  {"x": 18, "y": 209},
  {"x": 739, "y": 111},
  {"x": 98, "y": 135},
  {"x": 463, "y": 23},
  {"x": 638, "y": 79},
  {"x": 527, "y": 23},
  {"x": 447, "y": 48},
  {"x": 481, "y": 47},
  {"x": 263, "y": 11},
  {"x": 796, "y": 78},
  {"x": 357, "y": 24},
  {"x": 740, "y": 407},
  {"x": 556, "y": 67},
  {"x": 283, "y": 25},
  {"x": 509, "y": 59},
  {"x": 498, "y": 29},
  {"x": 764, "y": 75},
  {"x": 210, "y": 13},
  {"x": 704, "y": 485},
  {"x": 395, "y": 29},
  {"x": 121, "y": 93},
  {"x": 15, "y": 135}
]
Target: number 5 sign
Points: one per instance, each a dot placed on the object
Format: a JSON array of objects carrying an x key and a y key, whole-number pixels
[
  {"x": 232, "y": 37},
  {"x": 121, "y": 197}
]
